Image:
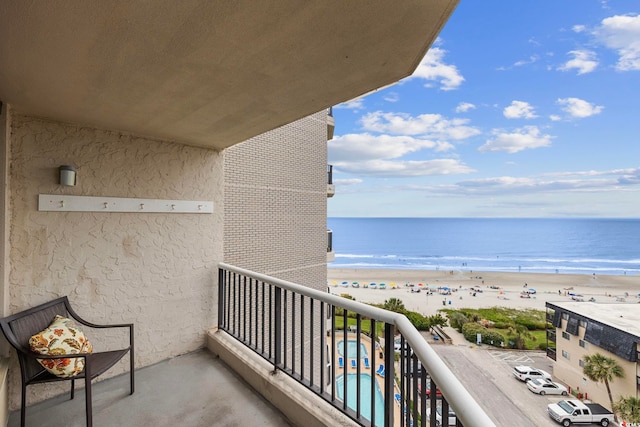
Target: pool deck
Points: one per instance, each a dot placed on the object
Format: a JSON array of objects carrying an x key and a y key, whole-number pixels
[{"x": 349, "y": 369}]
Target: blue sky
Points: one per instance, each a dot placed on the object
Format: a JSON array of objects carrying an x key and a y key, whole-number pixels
[{"x": 519, "y": 109}]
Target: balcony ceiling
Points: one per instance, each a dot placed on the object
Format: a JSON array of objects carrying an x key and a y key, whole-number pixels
[{"x": 207, "y": 73}]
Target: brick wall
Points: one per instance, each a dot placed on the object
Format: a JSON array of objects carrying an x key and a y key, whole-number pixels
[{"x": 275, "y": 202}]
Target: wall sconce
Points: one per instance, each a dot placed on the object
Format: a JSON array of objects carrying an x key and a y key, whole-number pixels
[{"x": 67, "y": 175}]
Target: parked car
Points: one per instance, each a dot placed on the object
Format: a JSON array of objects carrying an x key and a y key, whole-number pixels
[
  {"x": 567, "y": 412},
  {"x": 543, "y": 386},
  {"x": 428, "y": 389},
  {"x": 527, "y": 373},
  {"x": 438, "y": 415}
]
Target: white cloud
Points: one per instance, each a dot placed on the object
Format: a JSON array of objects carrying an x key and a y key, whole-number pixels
[
  {"x": 433, "y": 68},
  {"x": 555, "y": 118},
  {"x": 354, "y": 104},
  {"x": 526, "y": 138},
  {"x": 392, "y": 97},
  {"x": 347, "y": 181},
  {"x": 559, "y": 182},
  {"x": 531, "y": 60},
  {"x": 410, "y": 168},
  {"x": 579, "y": 108},
  {"x": 364, "y": 146},
  {"x": 578, "y": 28},
  {"x": 585, "y": 61},
  {"x": 463, "y": 107},
  {"x": 519, "y": 110},
  {"x": 433, "y": 126},
  {"x": 622, "y": 33}
]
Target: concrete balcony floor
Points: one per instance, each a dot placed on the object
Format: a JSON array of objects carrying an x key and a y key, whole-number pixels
[{"x": 196, "y": 389}]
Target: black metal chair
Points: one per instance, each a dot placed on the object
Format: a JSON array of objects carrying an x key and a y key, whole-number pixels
[{"x": 18, "y": 328}]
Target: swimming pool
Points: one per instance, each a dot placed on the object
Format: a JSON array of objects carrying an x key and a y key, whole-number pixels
[
  {"x": 352, "y": 347},
  {"x": 365, "y": 396}
]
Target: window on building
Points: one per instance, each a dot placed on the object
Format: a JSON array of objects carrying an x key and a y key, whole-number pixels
[
  {"x": 566, "y": 355},
  {"x": 583, "y": 324},
  {"x": 565, "y": 316},
  {"x": 581, "y": 363},
  {"x": 583, "y": 344},
  {"x": 566, "y": 335}
]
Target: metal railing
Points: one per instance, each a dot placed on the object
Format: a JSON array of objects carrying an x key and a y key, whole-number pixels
[
  {"x": 370, "y": 363},
  {"x": 330, "y": 174}
]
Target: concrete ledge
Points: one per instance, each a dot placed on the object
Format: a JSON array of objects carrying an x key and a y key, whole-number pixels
[{"x": 300, "y": 405}]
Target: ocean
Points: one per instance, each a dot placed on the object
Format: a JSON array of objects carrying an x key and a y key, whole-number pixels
[{"x": 576, "y": 246}]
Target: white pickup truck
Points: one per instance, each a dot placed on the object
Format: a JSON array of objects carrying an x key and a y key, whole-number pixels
[{"x": 567, "y": 412}]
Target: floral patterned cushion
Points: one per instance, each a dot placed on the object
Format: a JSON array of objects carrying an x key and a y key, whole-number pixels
[{"x": 59, "y": 338}]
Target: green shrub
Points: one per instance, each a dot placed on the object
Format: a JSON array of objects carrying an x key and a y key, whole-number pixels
[
  {"x": 470, "y": 331},
  {"x": 418, "y": 320},
  {"x": 501, "y": 325},
  {"x": 458, "y": 320},
  {"x": 493, "y": 338}
]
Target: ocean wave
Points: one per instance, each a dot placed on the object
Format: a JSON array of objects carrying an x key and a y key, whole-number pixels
[
  {"x": 501, "y": 259},
  {"x": 537, "y": 268}
]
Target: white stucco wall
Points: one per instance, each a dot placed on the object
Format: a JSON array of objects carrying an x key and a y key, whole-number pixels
[{"x": 155, "y": 270}]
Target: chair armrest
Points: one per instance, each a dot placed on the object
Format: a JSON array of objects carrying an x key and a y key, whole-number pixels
[{"x": 58, "y": 356}]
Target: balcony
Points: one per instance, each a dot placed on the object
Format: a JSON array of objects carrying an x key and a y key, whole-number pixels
[
  {"x": 305, "y": 350},
  {"x": 331, "y": 123},
  {"x": 275, "y": 341},
  {"x": 331, "y": 189},
  {"x": 331, "y": 255}
]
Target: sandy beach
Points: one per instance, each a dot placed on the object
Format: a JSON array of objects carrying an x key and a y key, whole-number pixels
[{"x": 491, "y": 288}]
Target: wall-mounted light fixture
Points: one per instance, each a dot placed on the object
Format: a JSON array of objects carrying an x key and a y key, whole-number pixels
[{"x": 67, "y": 175}]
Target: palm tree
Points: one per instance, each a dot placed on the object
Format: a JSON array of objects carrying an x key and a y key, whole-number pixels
[
  {"x": 395, "y": 305},
  {"x": 520, "y": 333},
  {"x": 600, "y": 368},
  {"x": 628, "y": 408}
]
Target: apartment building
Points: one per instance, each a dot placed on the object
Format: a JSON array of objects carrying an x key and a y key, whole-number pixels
[{"x": 584, "y": 328}]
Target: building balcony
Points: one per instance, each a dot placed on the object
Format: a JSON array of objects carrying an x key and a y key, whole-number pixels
[
  {"x": 331, "y": 255},
  {"x": 331, "y": 189},
  {"x": 278, "y": 355},
  {"x": 331, "y": 123}
]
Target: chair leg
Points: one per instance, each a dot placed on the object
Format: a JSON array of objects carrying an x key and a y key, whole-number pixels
[
  {"x": 23, "y": 408},
  {"x": 73, "y": 387},
  {"x": 132, "y": 370}
]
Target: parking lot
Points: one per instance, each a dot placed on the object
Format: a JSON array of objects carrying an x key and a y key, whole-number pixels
[{"x": 487, "y": 374}]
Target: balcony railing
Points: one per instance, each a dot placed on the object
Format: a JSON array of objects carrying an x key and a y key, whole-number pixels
[
  {"x": 329, "y": 241},
  {"x": 340, "y": 348},
  {"x": 330, "y": 174}
]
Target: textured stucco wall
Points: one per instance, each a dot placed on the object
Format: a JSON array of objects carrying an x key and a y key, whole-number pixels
[
  {"x": 155, "y": 270},
  {"x": 276, "y": 202}
]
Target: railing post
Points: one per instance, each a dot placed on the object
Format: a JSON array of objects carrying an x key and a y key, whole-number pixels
[
  {"x": 388, "y": 375},
  {"x": 278, "y": 328},
  {"x": 221, "y": 302}
]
